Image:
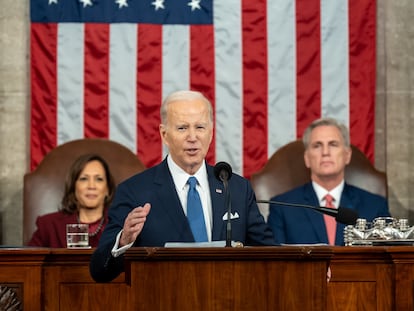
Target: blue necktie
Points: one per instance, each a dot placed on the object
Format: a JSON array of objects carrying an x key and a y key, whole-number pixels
[{"x": 195, "y": 212}]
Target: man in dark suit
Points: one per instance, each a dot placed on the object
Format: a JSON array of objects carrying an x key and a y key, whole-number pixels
[
  {"x": 327, "y": 152},
  {"x": 150, "y": 209}
]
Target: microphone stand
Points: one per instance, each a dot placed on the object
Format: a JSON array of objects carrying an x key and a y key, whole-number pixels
[
  {"x": 343, "y": 215},
  {"x": 228, "y": 204},
  {"x": 320, "y": 209},
  {"x": 222, "y": 171}
]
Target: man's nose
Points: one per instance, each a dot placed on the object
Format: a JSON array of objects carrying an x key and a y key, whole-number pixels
[
  {"x": 192, "y": 134},
  {"x": 325, "y": 149}
]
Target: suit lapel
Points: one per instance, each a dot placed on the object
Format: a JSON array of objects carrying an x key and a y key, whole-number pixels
[
  {"x": 348, "y": 200},
  {"x": 315, "y": 218},
  {"x": 169, "y": 201}
]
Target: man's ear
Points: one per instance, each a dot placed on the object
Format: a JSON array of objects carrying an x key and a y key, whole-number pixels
[
  {"x": 306, "y": 159},
  {"x": 348, "y": 155},
  {"x": 163, "y": 131}
]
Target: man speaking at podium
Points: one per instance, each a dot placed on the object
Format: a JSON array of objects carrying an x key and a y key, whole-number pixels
[{"x": 180, "y": 199}]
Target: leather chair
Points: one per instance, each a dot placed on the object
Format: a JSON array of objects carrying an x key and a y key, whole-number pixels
[
  {"x": 286, "y": 170},
  {"x": 43, "y": 188}
]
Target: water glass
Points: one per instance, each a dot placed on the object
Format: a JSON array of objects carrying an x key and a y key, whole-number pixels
[{"x": 77, "y": 235}]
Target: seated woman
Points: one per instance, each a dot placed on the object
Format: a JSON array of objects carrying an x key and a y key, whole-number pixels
[{"x": 89, "y": 190}]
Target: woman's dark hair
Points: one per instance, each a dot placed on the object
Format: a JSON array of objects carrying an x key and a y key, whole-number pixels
[{"x": 69, "y": 201}]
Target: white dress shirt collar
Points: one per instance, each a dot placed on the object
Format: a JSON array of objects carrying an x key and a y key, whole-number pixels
[
  {"x": 180, "y": 177},
  {"x": 335, "y": 193}
]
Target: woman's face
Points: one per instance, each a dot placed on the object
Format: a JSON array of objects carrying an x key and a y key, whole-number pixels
[{"x": 92, "y": 187}]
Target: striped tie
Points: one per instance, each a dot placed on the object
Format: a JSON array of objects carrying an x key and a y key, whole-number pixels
[
  {"x": 195, "y": 212},
  {"x": 330, "y": 221}
]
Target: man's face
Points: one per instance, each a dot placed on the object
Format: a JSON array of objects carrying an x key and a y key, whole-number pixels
[
  {"x": 327, "y": 154},
  {"x": 187, "y": 133}
]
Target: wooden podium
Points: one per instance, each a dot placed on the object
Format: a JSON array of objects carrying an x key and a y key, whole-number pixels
[
  {"x": 251, "y": 278},
  {"x": 207, "y": 279}
]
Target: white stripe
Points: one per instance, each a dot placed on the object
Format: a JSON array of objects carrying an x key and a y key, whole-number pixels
[
  {"x": 175, "y": 60},
  {"x": 122, "y": 85},
  {"x": 334, "y": 60},
  {"x": 281, "y": 23},
  {"x": 228, "y": 84},
  {"x": 70, "y": 60}
]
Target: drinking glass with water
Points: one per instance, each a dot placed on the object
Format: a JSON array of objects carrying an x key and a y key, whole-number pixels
[{"x": 77, "y": 235}]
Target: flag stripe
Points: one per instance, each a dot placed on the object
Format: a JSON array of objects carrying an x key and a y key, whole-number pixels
[
  {"x": 43, "y": 90},
  {"x": 334, "y": 60},
  {"x": 149, "y": 93},
  {"x": 308, "y": 80},
  {"x": 96, "y": 87},
  {"x": 362, "y": 75},
  {"x": 175, "y": 58},
  {"x": 122, "y": 84},
  {"x": 281, "y": 120},
  {"x": 229, "y": 79},
  {"x": 70, "y": 69},
  {"x": 254, "y": 86}
]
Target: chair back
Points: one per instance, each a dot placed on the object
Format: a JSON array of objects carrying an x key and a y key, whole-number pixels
[
  {"x": 44, "y": 187},
  {"x": 286, "y": 170}
]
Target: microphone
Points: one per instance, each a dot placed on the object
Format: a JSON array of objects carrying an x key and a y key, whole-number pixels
[
  {"x": 223, "y": 172},
  {"x": 343, "y": 215}
]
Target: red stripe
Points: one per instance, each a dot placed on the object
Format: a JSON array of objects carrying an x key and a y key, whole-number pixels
[
  {"x": 254, "y": 86},
  {"x": 202, "y": 69},
  {"x": 43, "y": 90},
  {"x": 96, "y": 98},
  {"x": 362, "y": 74},
  {"x": 308, "y": 62},
  {"x": 149, "y": 95}
]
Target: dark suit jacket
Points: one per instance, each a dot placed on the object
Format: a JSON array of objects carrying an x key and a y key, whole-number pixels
[
  {"x": 51, "y": 230},
  {"x": 297, "y": 225},
  {"x": 167, "y": 222}
]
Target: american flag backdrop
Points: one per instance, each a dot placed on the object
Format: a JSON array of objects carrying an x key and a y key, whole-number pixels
[{"x": 100, "y": 68}]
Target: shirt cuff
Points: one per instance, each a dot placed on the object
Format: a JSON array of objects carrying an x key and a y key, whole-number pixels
[{"x": 116, "y": 251}]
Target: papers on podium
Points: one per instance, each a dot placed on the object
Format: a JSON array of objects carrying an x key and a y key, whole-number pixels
[{"x": 202, "y": 244}]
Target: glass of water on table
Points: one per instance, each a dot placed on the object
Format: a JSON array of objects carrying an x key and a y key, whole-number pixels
[{"x": 77, "y": 236}]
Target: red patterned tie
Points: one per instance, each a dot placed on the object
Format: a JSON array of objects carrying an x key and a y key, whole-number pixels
[{"x": 330, "y": 221}]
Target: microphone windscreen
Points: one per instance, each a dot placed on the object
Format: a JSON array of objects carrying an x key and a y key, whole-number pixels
[
  {"x": 222, "y": 168},
  {"x": 347, "y": 216}
]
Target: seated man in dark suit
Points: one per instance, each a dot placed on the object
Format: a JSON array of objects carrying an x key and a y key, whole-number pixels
[
  {"x": 327, "y": 152},
  {"x": 150, "y": 208}
]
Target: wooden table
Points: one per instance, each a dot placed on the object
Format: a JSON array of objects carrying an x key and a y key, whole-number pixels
[{"x": 251, "y": 278}]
